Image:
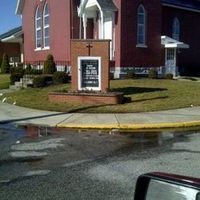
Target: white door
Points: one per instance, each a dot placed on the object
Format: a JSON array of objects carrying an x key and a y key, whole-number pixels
[{"x": 170, "y": 61}]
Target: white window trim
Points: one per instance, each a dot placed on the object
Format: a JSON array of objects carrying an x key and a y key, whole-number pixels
[
  {"x": 37, "y": 29},
  {"x": 38, "y": 49},
  {"x": 141, "y": 45},
  {"x": 45, "y": 27}
]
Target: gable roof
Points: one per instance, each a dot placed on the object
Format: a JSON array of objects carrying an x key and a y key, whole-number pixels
[
  {"x": 107, "y": 5},
  {"x": 13, "y": 35},
  {"x": 193, "y": 5}
]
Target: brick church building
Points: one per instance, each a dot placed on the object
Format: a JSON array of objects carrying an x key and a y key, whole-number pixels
[{"x": 143, "y": 33}]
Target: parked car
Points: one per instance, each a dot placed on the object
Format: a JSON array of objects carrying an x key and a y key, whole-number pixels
[{"x": 163, "y": 186}]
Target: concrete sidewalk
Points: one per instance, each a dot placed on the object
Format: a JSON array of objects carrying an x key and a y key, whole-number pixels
[{"x": 179, "y": 118}]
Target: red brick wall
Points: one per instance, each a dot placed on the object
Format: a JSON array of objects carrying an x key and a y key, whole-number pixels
[
  {"x": 86, "y": 99},
  {"x": 126, "y": 52},
  {"x": 126, "y": 34},
  {"x": 190, "y": 32},
  {"x": 75, "y": 23},
  {"x": 11, "y": 49},
  {"x": 60, "y": 31}
]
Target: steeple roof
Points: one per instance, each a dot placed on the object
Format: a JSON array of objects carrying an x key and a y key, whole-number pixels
[{"x": 107, "y": 5}]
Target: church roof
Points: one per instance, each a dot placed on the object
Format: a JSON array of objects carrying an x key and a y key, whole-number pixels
[
  {"x": 107, "y": 5},
  {"x": 11, "y": 32},
  {"x": 187, "y": 4}
]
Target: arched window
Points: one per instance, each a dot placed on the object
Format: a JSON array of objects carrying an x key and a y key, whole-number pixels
[
  {"x": 46, "y": 36},
  {"x": 141, "y": 25},
  {"x": 38, "y": 28},
  {"x": 176, "y": 29}
]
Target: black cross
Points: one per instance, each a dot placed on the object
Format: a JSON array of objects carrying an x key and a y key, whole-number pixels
[{"x": 89, "y": 46}]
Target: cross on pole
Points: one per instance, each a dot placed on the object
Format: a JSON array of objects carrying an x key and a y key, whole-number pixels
[{"x": 89, "y": 46}]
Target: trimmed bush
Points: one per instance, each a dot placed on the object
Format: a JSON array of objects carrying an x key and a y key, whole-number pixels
[
  {"x": 16, "y": 74},
  {"x": 28, "y": 69},
  {"x": 5, "y": 65},
  {"x": 36, "y": 71},
  {"x": 0, "y": 63},
  {"x": 153, "y": 73},
  {"x": 31, "y": 71},
  {"x": 49, "y": 65},
  {"x": 39, "y": 81},
  {"x": 168, "y": 76},
  {"x": 60, "y": 77},
  {"x": 130, "y": 74},
  {"x": 15, "y": 77},
  {"x": 18, "y": 70}
]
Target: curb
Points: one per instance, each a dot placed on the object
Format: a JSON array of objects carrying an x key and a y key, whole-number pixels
[{"x": 132, "y": 127}]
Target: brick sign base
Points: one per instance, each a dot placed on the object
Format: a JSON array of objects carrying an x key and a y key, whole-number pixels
[
  {"x": 89, "y": 51},
  {"x": 86, "y": 98}
]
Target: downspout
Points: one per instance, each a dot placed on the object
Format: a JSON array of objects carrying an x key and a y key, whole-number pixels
[{"x": 72, "y": 20}]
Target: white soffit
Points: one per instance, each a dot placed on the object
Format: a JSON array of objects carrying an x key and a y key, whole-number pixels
[{"x": 172, "y": 43}]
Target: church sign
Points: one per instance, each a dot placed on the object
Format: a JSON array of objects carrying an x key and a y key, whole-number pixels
[{"x": 89, "y": 73}]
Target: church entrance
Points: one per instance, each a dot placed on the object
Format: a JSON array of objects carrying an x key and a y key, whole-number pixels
[
  {"x": 170, "y": 61},
  {"x": 171, "y": 45},
  {"x": 97, "y": 23}
]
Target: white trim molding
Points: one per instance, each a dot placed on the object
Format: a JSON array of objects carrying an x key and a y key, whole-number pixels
[{"x": 19, "y": 7}]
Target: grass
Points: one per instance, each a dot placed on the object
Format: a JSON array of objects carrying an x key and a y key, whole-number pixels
[
  {"x": 4, "y": 81},
  {"x": 146, "y": 95}
]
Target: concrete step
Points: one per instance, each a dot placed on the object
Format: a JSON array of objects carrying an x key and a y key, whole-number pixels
[{"x": 14, "y": 88}]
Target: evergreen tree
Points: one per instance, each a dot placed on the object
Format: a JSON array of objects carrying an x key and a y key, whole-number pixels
[
  {"x": 49, "y": 65},
  {"x": 5, "y": 65}
]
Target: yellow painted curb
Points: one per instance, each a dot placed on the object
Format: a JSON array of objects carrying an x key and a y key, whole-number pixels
[
  {"x": 89, "y": 126},
  {"x": 190, "y": 124},
  {"x": 161, "y": 125}
]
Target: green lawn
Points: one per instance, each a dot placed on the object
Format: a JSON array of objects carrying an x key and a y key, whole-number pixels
[
  {"x": 146, "y": 95},
  {"x": 4, "y": 81}
]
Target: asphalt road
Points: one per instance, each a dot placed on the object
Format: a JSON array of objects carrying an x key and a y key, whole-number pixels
[{"x": 55, "y": 164}]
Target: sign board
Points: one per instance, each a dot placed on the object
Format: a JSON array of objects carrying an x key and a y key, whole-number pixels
[{"x": 89, "y": 73}]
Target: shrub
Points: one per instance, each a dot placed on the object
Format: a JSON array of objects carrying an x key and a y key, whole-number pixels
[
  {"x": 111, "y": 76},
  {"x": 130, "y": 74},
  {"x": 36, "y": 71},
  {"x": 20, "y": 65},
  {"x": 18, "y": 70},
  {"x": 168, "y": 76},
  {"x": 28, "y": 69},
  {"x": 0, "y": 63},
  {"x": 49, "y": 65},
  {"x": 14, "y": 77},
  {"x": 60, "y": 77},
  {"x": 153, "y": 73},
  {"x": 16, "y": 74},
  {"x": 39, "y": 81},
  {"x": 5, "y": 65}
]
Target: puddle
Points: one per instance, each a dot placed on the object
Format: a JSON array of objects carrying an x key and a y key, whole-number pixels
[
  {"x": 27, "y": 151},
  {"x": 27, "y": 154},
  {"x": 31, "y": 142},
  {"x": 37, "y": 173}
]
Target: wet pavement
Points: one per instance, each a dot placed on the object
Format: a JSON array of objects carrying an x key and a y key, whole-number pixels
[{"x": 52, "y": 163}]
